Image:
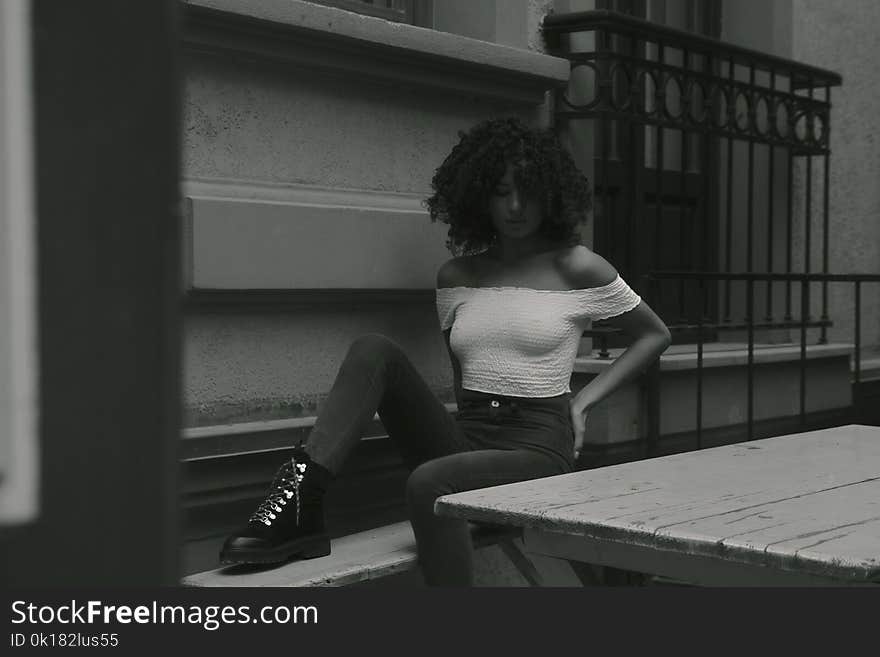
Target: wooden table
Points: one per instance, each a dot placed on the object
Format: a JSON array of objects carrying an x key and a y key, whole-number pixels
[{"x": 797, "y": 509}]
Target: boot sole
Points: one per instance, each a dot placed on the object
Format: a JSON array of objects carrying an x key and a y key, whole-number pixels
[{"x": 309, "y": 547}]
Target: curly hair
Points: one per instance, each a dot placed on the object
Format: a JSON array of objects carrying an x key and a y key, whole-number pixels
[{"x": 468, "y": 176}]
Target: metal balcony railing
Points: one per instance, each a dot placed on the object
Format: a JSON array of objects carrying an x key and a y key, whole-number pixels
[
  {"x": 694, "y": 142},
  {"x": 697, "y": 284},
  {"x": 710, "y": 165},
  {"x": 801, "y": 320}
]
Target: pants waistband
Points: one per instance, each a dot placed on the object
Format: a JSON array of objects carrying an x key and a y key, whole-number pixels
[{"x": 474, "y": 398}]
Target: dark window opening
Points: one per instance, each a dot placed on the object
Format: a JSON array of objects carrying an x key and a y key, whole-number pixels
[{"x": 411, "y": 12}]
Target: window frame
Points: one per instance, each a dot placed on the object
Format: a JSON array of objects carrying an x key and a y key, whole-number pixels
[{"x": 412, "y": 12}]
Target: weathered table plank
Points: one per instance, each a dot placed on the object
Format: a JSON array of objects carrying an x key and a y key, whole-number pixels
[{"x": 803, "y": 505}]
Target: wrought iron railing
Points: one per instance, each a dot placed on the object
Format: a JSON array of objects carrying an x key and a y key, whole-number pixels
[
  {"x": 711, "y": 175},
  {"x": 690, "y": 135},
  {"x": 700, "y": 280},
  {"x": 698, "y": 284}
]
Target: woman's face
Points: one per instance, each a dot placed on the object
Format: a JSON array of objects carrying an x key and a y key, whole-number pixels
[{"x": 513, "y": 214}]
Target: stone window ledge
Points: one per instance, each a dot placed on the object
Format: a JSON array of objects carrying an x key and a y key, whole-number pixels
[
  {"x": 333, "y": 41},
  {"x": 684, "y": 357}
]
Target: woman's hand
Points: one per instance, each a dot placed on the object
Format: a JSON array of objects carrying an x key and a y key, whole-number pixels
[{"x": 579, "y": 423}]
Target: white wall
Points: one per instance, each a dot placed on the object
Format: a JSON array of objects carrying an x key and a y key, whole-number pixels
[{"x": 842, "y": 35}]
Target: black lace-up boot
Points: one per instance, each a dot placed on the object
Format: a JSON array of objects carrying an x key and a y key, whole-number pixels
[{"x": 289, "y": 522}]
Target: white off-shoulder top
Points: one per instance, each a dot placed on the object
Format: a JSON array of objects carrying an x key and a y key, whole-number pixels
[{"x": 521, "y": 341}]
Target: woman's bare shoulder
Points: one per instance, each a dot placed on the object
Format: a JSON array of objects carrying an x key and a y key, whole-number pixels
[
  {"x": 585, "y": 268},
  {"x": 455, "y": 272}
]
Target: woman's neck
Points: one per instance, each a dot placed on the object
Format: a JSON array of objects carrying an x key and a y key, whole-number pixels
[{"x": 509, "y": 251}]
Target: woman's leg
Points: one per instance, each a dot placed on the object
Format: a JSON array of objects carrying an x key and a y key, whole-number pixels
[
  {"x": 377, "y": 376},
  {"x": 444, "y": 544}
]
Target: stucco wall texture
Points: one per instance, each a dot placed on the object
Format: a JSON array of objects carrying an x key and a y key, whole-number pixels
[
  {"x": 842, "y": 36},
  {"x": 245, "y": 122},
  {"x": 248, "y": 123},
  {"x": 267, "y": 366}
]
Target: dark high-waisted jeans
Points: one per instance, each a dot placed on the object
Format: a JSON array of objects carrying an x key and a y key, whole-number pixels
[{"x": 483, "y": 444}]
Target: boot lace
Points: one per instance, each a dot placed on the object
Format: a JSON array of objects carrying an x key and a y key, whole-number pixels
[{"x": 285, "y": 486}]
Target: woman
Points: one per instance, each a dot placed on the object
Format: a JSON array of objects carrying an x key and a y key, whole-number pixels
[{"x": 512, "y": 307}]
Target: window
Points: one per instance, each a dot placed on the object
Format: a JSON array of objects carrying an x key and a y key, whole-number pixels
[{"x": 413, "y": 12}]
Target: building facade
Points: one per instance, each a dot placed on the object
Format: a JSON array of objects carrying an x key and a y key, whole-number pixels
[{"x": 307, "y": 134}]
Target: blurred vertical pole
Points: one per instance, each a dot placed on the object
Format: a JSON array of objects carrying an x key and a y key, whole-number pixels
[
  {"x": 19, "y": 402},
  {"x": 107, "y": 170}
]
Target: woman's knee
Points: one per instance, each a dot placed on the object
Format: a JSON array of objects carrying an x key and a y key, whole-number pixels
[
  {"x": 425, "y": 484},
  {"x": 373, "y": 346}
]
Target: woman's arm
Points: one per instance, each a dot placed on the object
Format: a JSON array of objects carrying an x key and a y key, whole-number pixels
[
  {"x": 650, "y": 339},
  {"x": 649, "y": 334}
]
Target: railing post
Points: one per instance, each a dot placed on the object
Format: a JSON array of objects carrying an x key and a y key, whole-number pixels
[
  {"x": 651, "y": 382},
  {"x": 702, "y": 302},
  {"x": 750, "y": 369},
  {"x": 823, "y": 338},
  {"x": 652, "y": 397},
  {"x": 771, "y": 123},
  {"x": 728, "y": 218},
  {"x": 858, "y": 341},
  {"x": 805, "y": 303}
]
